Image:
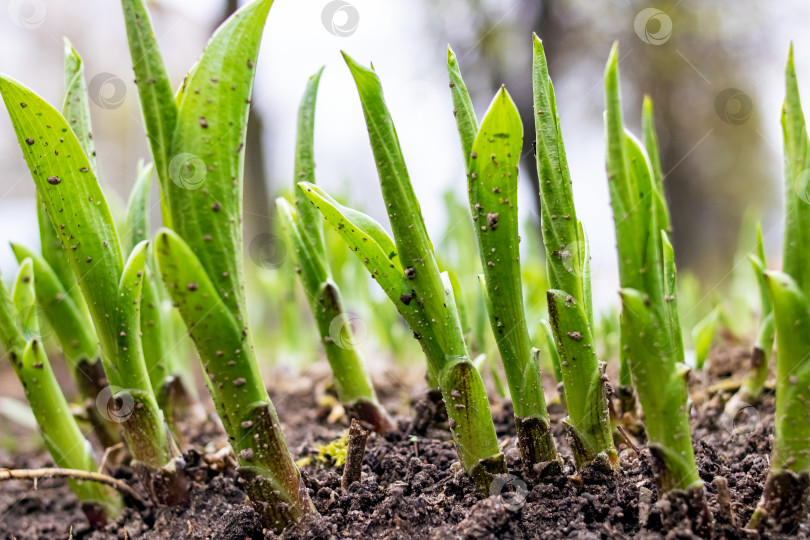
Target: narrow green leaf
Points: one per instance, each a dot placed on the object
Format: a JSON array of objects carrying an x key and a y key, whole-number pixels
[
  {"x": 552, "y": 350},
  {"x": 588, "y": 419},
  {"x": 566, "y": 250},
  {"x": 791, "y": 430},
  {"x": 72, "y": 326},
  {"x": 54, "y": 255},
  {"x": 413, "y": 244},
  {"x": 703, "y": 335},
  {"x": 372, "y": 245},
  {"x": 76, "y": 109},
  {"x": 138, "y": 208},
  {"x": 662, "y": 390},
  {"x": 463, "y": 111},
  {"x": 796, "y": 262},
  {"x": 155, "y": 91},
  {"x": 311, "y": 226}
]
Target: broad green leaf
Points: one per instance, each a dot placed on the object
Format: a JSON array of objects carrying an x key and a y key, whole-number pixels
[
  {"x": 792, "y": 319},
  {"x": 493, "y": 181},
  {"x": 308, "y": 218},
  {"x": 72, "y": 326},
  {"x": 587, "y": 407},
  {"x": 73, "y": 200},
  {"x": 463, "y": 111},
  {"x": 155, "y": 91},
  {"x": 137, "y": 229},
  {"x": 796, "y": 242},
  {"x": 210, "y": 137},
  {"x": 76, "y": 109}
]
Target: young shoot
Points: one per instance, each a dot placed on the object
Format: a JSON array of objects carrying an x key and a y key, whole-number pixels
[
  {"x": 569, "y": 298},
  {"x": 406, "y": 268},
  {"x": 303, "y": 232},
  {"x": 19, "y": 336},
  {"x": 651, "y": 332},
  {"x": 492, "y": 155}
]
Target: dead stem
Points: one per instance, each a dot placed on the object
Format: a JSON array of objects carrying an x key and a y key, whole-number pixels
[{"x": 55, "y": 472}]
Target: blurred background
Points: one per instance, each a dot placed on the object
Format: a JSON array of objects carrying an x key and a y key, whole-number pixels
[{"x": 713, "y": 68}]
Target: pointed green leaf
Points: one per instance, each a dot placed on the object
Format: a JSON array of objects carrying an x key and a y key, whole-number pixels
[
  {"x": 138, "y": 208},
  {"x": 72, "y": 198},
  {"x": 463, "y": 111},
  {"x": 702, "y": 336},
  {"x": 308, "y": 218},
  {"x": 155, "y": 91},
  {"x": 76, "y": 109},
  {"x": 210, "y": 137},
  {"x": 792, "y": 319}
]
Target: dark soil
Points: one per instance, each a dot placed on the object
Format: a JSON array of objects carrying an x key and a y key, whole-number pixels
[{"x": 411, "y": 487}]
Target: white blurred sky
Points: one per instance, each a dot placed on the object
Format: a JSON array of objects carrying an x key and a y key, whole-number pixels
[{"x": 392, "y": 34}]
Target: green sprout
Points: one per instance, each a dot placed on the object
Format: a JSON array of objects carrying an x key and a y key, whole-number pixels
[
  {"x": 304, "y": 235},
  {"x": 789, "y": 476},
  {"x": 197, "y": 142},
  {"x": 491, "y": 155},
  {"x": 651, "y": 334},
  {"x": 19, "y": 335},
  {"x": 569, "y": 298},
  {"x": 111, "y": 286},
  {"x": 58, "y": 294},
  {"x": 406, "y": 268}
]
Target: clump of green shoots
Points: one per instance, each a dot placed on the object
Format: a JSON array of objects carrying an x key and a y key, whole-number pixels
[
  {"x": 19, "y": 336},
  {"x": 406, "y": 268},
  {"x": 569, "y": 298},
  {"x": 111, "y": 286},
  {"x": 304, "y": 236},
  {"x": 197, "y": 142},
  {"x": 785, "y": 494},
  {"x": 651, "y": 334},
  {"x": 491, "y": 156}
]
